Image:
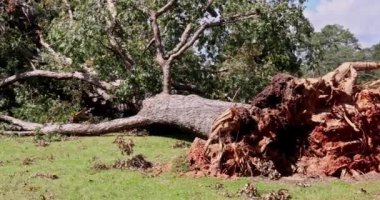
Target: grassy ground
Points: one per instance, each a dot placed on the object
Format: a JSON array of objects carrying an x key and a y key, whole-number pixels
[{"x": 71, "y": 162}]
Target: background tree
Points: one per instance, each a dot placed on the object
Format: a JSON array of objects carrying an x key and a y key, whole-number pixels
[{"x": 336, "y": 45}]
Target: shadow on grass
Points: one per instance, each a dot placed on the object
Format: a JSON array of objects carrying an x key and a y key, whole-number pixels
[{"x": 172, "y": 132}]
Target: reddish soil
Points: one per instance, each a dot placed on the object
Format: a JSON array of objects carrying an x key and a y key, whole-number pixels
[{"x": 312, "y": 127}]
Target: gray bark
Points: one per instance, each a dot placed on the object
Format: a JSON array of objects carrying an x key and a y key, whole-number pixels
[
  {"x": 57, "y": 75},
  {"x": 191, "y": 113},
  {"x": 166, "y": 79}
]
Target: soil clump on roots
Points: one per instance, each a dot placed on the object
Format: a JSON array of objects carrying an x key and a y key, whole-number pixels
[{"x": 326, "y": 126}]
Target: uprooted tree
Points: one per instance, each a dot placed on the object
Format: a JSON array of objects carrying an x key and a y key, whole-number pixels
[
  {"x": 316, "y": 126},
  {"x": 325, "y": 125},
  {"x": 180, "y": 37}
]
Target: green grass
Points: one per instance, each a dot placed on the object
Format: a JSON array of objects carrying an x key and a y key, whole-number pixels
[{"x": 71, "y": 161}]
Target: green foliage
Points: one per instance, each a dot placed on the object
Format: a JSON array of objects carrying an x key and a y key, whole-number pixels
[
  {"x": 251, "y": 51},
  {"x": 58, "y": 103},
  {"x": 337, "y": 45},
  {"x": 242, "y": 55},
  {"x": 48, "y": 138}
]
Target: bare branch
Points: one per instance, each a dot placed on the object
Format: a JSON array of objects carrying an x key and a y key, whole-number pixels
[
  {"x": 166, "y": 7},
  {"x": 182, "y": 41},
  {"x": 157, "y": 39},
  {"x": 59, "y": 58},
  {"x": 372, "y": 83},
  {"x": 18, "y": 133},
  {"x": 190, "y": 42},
  {"x": 154, "y": 15},
  {"x": 114, "y": 40},
  {"x": 78, "y": 129},
  {"x": 208, "y": 8},
  {"x": 57, "y": 75},
  {"x": 27, "y": 126},
  {"x": 69, "y": 12}
]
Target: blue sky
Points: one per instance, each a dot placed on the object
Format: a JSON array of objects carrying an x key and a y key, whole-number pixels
[
  {"x": 361, "y": 17},
  {"x": 312, "y": 4}
]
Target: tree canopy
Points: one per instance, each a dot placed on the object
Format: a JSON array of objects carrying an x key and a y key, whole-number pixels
[{"x": 224, "y": 49}]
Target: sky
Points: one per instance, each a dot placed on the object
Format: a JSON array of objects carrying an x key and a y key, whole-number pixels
[{"x": 361, "y": 17}]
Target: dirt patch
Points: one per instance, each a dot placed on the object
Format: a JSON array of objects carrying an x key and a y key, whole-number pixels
[{"x": 180, "y": 164}]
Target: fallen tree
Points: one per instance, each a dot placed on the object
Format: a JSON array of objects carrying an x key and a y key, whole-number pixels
[
  {"x": 323, "y": 126},
  {"x": 190, "y": 113}
]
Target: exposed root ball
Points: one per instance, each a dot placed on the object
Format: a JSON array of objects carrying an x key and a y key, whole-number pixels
[{"x": 325, "y": 126}]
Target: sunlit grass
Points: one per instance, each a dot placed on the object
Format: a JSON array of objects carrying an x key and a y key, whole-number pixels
[{"x": 72, "y": 162}]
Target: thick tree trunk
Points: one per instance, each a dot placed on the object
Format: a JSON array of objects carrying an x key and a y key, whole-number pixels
[{"x": 191, "y": 113}]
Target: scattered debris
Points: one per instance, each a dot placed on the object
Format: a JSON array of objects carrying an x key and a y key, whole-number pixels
[
  {"x": 180, "y": 144},
  {"x": 217, "y": 186},
  {"x": 249, "y": 190},
  {"x": 137, "y": 132},
  {"x": 44, "y": 140},
  {"x": 42, "y": 143},
  {"x": 27, "y": 161},
  {"x": 97, "y": 165},
  {"x": 302, "y": 184},
  {"x": 364, "y": 191},
  {"x": 125, "y": 147},
  {"x": 132, "y": 162},
  {"x": 46, "y": 175},
  {"x": 47, "y": 197},
  {"x": 281, "y": 194},
  {"x": 136, "y": 162}
]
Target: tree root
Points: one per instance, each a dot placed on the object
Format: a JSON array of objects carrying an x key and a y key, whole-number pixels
[{"x": 321, "y": 126}]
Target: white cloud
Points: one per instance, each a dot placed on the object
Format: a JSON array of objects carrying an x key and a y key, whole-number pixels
[{"x": 361, "y": 17}]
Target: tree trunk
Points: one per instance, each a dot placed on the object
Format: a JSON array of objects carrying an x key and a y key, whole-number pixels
[
  {"x": 166, "y": 79},
  {"x": 191, "y": 113}
]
